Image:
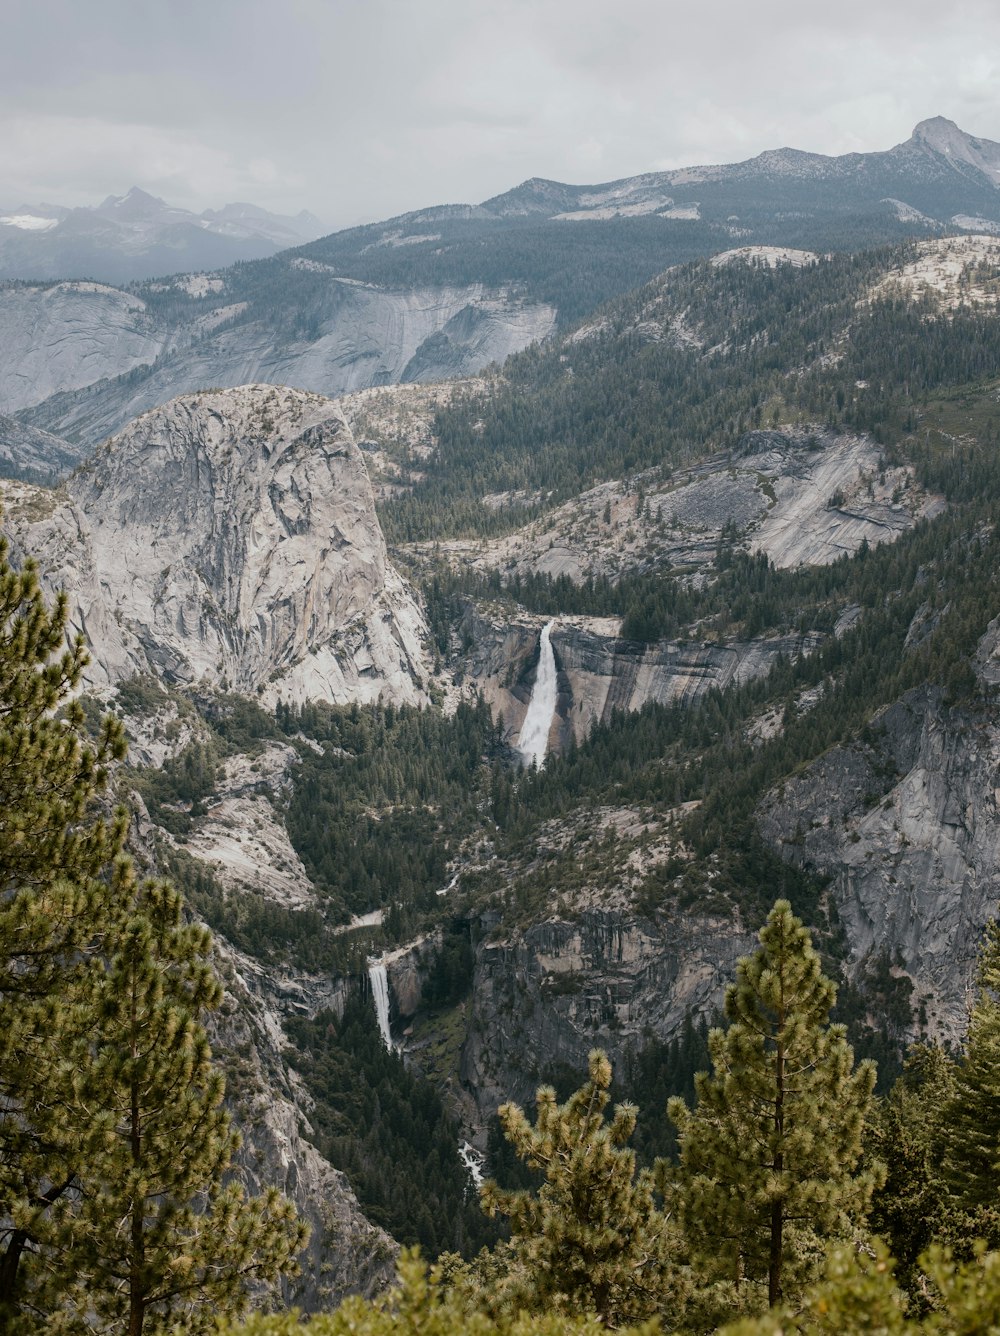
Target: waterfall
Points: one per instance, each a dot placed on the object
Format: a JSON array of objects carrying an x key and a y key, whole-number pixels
[
  {"x": 473, "y": 1162},
  {"x": 380, "y": 992},
  {"x": 534, "y": 740}
]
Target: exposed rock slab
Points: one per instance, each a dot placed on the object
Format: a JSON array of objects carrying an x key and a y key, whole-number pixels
[
  {"x": 805, "y": 497},
  {"x": 243, "y": 838},
  {"x": 231, "y": 538},
  {"x": 908, "y": 827},
  {"x": 63, "y": 336},
  {"x": 26, "y": 452}
]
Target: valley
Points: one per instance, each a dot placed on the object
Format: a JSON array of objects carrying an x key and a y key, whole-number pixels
[{"x": 496, "y": 643}]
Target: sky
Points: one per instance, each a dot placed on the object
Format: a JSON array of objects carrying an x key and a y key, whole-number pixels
[{"x": 361, "y": 109}]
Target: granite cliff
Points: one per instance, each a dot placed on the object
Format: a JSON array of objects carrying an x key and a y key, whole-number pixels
[
  {"x": 230, "y": 538},
  {"x": 86, "y": 358}
]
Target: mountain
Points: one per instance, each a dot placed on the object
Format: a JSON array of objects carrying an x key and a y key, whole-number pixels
[
  {"x": 938, "y": 168},
  {"x": 752, "y": 497},
  {"x": 137, "y": 236},
  {"x": 230, "y": 538},
  {"x": 443, "y": 292}
]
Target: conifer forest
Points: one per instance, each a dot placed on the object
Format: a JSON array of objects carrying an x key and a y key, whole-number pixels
[{"x": 327, "y": 1003}]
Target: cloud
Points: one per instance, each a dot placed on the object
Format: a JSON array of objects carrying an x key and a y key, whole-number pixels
[{"x": 360, "y": 109}]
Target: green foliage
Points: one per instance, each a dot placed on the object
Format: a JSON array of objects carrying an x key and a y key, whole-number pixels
[
  {"x": 592, "y": 1238},
  {"x": 156, "y": 1239},
  {"x": 56, "y": 901},
  {"x": 112, "y": 1139},
  {"x": 422, "y": 1305},
  {"x": 377, "y": 815},
  {"x": 768, "y": 1156},
  {"x": 578, "y": 411},
  {"x": 859, "y": 1297},
  {"x": 971, "y": 1116},
  {"x": 386, "y": 1127},
  {"x": 905, "y": 1133},
  {"x": 175, "y": 793}
]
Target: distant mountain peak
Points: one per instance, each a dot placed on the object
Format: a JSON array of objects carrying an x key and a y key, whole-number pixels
[{"x": 948, "y": 140}]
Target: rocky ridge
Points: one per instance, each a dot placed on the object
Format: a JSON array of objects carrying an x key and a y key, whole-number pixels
[
  {"x": 86, "y": 358},
  {"x": 803, "y": 496}
]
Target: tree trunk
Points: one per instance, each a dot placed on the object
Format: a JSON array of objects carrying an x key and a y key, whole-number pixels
[{"x": 778, "y": 1207}]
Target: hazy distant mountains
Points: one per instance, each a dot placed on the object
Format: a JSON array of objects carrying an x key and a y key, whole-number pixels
[{"x": 138, "y": 236}]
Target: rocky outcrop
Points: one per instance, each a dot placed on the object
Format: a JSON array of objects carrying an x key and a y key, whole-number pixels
[
  {"x": 63, "y": 336},
  {"x": 231, "y": 538},
  {"x": 346, "y": 1253},
  {"x": 907, "y": 825},
  {"x": 549, "y": 993},
  {"x": 26, "y": 452},
  {"x": 804, "y": 496}
]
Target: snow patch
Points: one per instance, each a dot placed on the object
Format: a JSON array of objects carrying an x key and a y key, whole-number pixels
[{"x": 29, "y": 222}]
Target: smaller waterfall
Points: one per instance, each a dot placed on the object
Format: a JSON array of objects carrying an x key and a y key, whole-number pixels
[
  {"x": 473, "y": 1161},
  {"x": 380, "y": 992},
  {"x": 534, "y": 740}
]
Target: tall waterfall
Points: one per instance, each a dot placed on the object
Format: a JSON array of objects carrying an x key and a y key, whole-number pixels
[
  {"x": 380, "y": 992},
  {"x": 534, "y": 740}
]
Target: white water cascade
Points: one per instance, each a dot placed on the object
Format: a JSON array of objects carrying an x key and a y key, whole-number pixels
[
  {"x": 473, "y": 1162},
  {"x": 534, "y": 740},
  {"x": 380, "y": 992}
]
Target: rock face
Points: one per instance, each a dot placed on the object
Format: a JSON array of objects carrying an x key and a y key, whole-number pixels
[
  {"x": 346, "y": 1254},
  {"x": 63, "y": 336},
  {"x": 26, "y": 452},
  {"x": 907, "y": 824},
  {"x": 99, "y": 357},
  {"x": 804, "y": 497},
  {"x": 550, "y": 993},
  {"x": 231, "y": 538},
  {"x": 600, "y": 673}
]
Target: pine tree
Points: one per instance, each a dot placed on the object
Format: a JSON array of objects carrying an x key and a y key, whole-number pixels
[
  {"x": 971, "y": 1118},
  {"x": 592, "y": 1238},
  {"x": 157, "y": 1236},
  {"x": 109, "y": 1111},
  {"x": 768, "y": 1155},
  {"x": 56, "y": 900}
]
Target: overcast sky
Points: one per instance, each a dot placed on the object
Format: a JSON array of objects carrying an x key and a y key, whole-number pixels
[{"x": 360, "y": 109}]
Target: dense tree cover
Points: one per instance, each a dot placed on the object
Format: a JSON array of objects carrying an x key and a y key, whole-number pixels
[
  {"x": 113, "y": 1143},
  {"x": 858, "y": 1297},
  {"x": 776, "y": 345},
  {"x": 56, "y": 908},
  {"x": 591, "y": 1238},
  {"x": 943, "y": 574},
  {"x": 154, "y": 1235},
  {"x": 376, "y": 817},
  {"x": 386, "y": 1127},
  {"x": 422, "y": 1305}
]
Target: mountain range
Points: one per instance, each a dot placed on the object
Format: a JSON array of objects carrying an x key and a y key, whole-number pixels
[
  {"x": 443, "y": 292},
  {"x": 722, "y": 454},
  {"x": 137, "y": 235}
]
